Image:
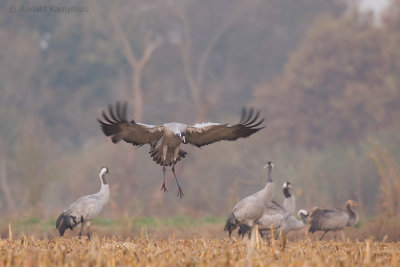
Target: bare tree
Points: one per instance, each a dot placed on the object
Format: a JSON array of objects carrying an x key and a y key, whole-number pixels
[
  {"x": 137, "y": 65},
  {"x": 5, "y": 188},
  {"x": 195, "y": 68}
]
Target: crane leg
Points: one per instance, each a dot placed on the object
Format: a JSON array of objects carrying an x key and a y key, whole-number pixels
[
  {"x": 163, "y": 188},
  {"x": 180, "y": 192},
  {"x": 80, "y": 232},
  {"x": 323, "y": 235},
  {"x": 88, "y": 230}
]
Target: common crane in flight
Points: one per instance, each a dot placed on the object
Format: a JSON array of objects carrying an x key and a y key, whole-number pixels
[
  {"x": 85, "y": 208},
  {"x": 169, "y": 136}
]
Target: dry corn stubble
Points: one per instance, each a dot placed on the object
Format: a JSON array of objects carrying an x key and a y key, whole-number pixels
[{"x": 188, "y": 252}]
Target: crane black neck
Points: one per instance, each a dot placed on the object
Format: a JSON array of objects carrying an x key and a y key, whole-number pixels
[
  {"x": 286, "y": 192},
  {"x": 269, "y": 175}
]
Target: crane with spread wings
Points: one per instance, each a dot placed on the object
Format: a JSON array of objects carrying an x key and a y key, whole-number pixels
[{"x": 169, "y": 136}]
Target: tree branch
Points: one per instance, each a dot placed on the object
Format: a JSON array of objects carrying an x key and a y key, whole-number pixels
[
  {"x": 126, "y": 47},
  {"x": 4, "y": 186}
]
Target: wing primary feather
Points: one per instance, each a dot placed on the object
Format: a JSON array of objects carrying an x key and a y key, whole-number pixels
[
  {"x": 104, "y": 114},
  {"x": 111, "y": 111},
  {"x": 118, "y": 109},
  {"x": 242, "y": 115},
  {"x": 124, "y": 110},
  {"x": 258, "y": 123},
  {"x": 249, "y": 115},
  {"x": 253, "y": 120}
]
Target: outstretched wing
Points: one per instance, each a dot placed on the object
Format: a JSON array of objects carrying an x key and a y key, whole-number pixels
[
  {"x": 207, "y": 133},
  {"x": 116, "y": 125}
]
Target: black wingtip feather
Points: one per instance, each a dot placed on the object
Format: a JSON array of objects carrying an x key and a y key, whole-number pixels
[
  {"x": 250, "y": 119},
  {"x": 109, "y": 122}
]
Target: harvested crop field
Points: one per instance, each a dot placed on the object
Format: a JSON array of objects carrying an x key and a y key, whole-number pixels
[{"x": 189, "y": 252}]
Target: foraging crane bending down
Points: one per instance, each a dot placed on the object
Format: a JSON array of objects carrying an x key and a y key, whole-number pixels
[
  {"x": 85, "y": 208},
  {"x": 251, "y": 208},
  {"x": 333, "y": 219},
  {"x": 292, "y": 224}
]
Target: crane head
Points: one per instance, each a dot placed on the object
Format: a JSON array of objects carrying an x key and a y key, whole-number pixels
[
  {"x": 351, "y": 203},
  {"x": 287, "y": 185},
  {"x": 269, "y": 165},
  {"x": 103, "y": 170},
  {"x": 303, "y": 213}
]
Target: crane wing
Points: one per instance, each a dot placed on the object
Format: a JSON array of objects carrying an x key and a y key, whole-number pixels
[
  {"x": 116, "y": 125},
  {"x": 207, "y": 133}
]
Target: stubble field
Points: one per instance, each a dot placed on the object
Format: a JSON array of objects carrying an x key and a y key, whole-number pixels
[
  {"x": 194, "y": 243},
  {"x": 194, "y": 252}
]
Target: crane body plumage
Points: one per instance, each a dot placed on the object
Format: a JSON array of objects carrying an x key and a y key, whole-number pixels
[
  {"x": 251, "y": 208},
  {"x": 333, "y": 219},
  {"x": 280, "y": 216},
  {"x": 170, "y": 136},
  {"x": 84, "y": 209}
]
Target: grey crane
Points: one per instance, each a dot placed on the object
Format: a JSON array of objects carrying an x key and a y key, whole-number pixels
[
  {"x": 85, "y": 208},
  {"x": 280, "y": 216},
  {"x": 333, "y": 219},
  {"x": 281, "y": 222},
  {"x": 293, "y": 224},
  {"x": 169, "y": 136},
  {"x": 289, "y": 203},
  {"x": 251, "y": 208}
]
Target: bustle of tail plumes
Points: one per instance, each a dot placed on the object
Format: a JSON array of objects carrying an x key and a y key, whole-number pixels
[
  {"x": 314, "y": 226},
  {"x": 156, "y": 155},
  {"x": 244, "y": 229},
  {"x": 65, "y": 222},
  {"x": 231, "y": 223}
]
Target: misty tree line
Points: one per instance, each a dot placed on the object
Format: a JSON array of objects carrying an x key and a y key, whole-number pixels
[{"x": 324, "y": 75}]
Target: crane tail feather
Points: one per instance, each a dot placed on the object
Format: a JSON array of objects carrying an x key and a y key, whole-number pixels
[
  {"x": 156, "y": 154},
  {"x": 231, "y": 223},
  {"x": 313, "y": 226},
  {"x": 64, "y": 222}
]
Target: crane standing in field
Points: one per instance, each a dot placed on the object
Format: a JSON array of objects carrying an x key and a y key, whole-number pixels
[
  {"x": 85, "y": 208},
  {"x": 280, "y": 216},
  {"x": 333, "y": 219},
  {"x": 289, "y": 203},
  {"x": 171, "y": 135},
  {"x": 251, "y": 208}
]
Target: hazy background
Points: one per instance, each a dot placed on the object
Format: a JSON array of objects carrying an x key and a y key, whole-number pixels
[{"x": 325, "y": 74}]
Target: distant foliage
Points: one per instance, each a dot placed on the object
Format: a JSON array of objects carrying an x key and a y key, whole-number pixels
[{"x": 341, "y": 83}]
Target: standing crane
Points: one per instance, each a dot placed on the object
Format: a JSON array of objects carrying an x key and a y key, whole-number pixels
[
  {"x": 252, "y": 207},
  {"x": 333, "y": 219},
  {"x": 280, "y": 216},
  {"x": 85, "y": 208}
]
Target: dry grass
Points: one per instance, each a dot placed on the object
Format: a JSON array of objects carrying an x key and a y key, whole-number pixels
[{"x": 188, "y": 252}]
